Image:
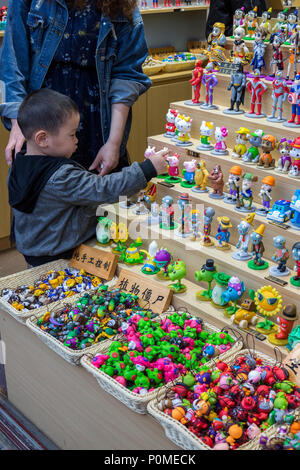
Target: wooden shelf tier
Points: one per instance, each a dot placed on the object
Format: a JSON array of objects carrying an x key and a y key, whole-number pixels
[{"x": 182, "y": 9}]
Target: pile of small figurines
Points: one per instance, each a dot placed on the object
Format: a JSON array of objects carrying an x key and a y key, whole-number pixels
[
  {"x": 287, "y": 436},
  {"x": 155, "y": 353},
  {"x": 53, "y": 286},
  {"x": 94, "y": 318},
  {"x": 231, "y": 404}
]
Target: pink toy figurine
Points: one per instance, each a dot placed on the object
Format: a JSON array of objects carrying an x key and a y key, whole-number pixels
[
  {"x": 173, "y": 170},
  {"x": 140, "y": 362},
  {"x": 149, "y": 152},
  {"x": 170, "y": 125},
  {"x": 220, "y": 147},
  {"x": 99, "y": 360},
  {"x": 121, "y": 380}
]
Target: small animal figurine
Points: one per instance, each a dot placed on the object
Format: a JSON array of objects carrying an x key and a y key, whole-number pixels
[
  {"x": 293, "y": 58},
  {"x": 243, "y": 135},
  {"x": 206, "y": 131},
  {"x": 233, "y": 184},
  {"x": 233, "y": 293},
  {"x": 280, "y": 257},
  {"x": 268, "y": 184},
  {"x": 209, "y": 81},
  {"x": 244, "y": 228},
  {"x": 295, "y": 154},
  {"x": 246, "y": 314},
  {"x": 223, "y": 233},
  {"x": 201, "y": 178},
  {"x": 188, "y": 174},
  {"x": 251, "y": 23},
  {"x": 217, "y": 182},
  {"x": 259, "y": 49},
  {"x": 173, "y": 170},
  {"x": 246, "y": 196},
  {"x": 170, "y": 125},
  {"x": 167, "y": 215},
  {"x": 183, "y": 127},
  {"x": 279, "y": 96},
  {"x": 176, "y": 272},
  {"x": 237, "y": 86},
  {"x": 295, "y": 280},
  {"x": 206, "y": 274},
  {"x": 284, "y": 163},
  {"x": 286, "y": 319},
  {"x": 252, "y": 154},
  {"x": 220, "y": 147},
  {"x": 266, "y": 160},
  {"x": 258, "y": 249},
  {"x": 196, "y": 82},
  {"x": 209, "y": 213},
  {"x": 256, "y": 88}
]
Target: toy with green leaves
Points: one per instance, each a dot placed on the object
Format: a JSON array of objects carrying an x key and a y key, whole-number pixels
[
  {"x": 177, "y": 272},
  {"x": 268, "y": 302},
  {"x": 206, "y": 274}
]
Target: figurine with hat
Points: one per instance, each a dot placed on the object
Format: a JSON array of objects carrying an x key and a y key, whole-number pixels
[
  {"x": 266, "y": 20},
  {"x": 280, "y": 257},
  {"x": 242, "y": 138},
  {"x": 206, "y": 274},
  {"x": 246, "y": 195},
  {"x": 223, "y": 233},
  {"x": 209, "y": 213},
  {"x": 258, "y": 249},
  {"x": 292, "y": 24},
  {"x": 244, "y": 228},
  {"x": 286, "y": 321},
  {"x": 251, "y": 23},
  {"x": 268, "y": 183},
  {"x": 233, "y": 184}
]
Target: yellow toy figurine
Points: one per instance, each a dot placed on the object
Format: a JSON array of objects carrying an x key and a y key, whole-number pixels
[
  {"x": 243, "y": 135},
  {"x": 201, "y": 178},
  {"x": 216, "y": 44},
  {"x": 268, "y": 303},
  {"x": 266, "y": 21}
]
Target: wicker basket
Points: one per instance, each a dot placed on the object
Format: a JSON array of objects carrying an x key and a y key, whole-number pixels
[
  {"x": 171, "y": 67},
  {"x": 138, "y": 403},
  {"x": 71, "y": 356},
  {"x": 185, "y": 439}
]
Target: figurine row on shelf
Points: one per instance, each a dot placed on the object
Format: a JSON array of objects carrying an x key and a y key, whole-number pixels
[{"x": 144, "y": 4}]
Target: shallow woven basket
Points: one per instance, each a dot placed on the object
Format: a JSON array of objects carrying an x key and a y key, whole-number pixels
[
  {"x": 138, "y": 403},
  {"x": 153, "y": 69},
  {"x": 185, "y": 439},
  {"x": 179, "y": 66},
  {"x": 71, "y": 356},
  {"x": 28, "y": 277}
]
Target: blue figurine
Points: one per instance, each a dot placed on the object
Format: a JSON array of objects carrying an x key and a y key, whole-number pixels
[
  {"x": 223, "y": 233},
  {"x": 295, "y": 206},
  {"x": 259, "y": 48}
]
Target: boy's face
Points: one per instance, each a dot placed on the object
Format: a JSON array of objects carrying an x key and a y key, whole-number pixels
[{"x": 64, "y": 144}]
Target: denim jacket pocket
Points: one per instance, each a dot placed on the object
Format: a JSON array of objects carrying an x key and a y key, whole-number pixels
[{"x": 37, "y": 25}]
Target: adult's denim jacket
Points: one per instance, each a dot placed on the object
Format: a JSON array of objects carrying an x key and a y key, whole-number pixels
[{"x": 33, "y": 32}]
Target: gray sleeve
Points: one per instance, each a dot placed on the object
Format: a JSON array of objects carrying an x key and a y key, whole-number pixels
[{"x": 79, "y": 187}]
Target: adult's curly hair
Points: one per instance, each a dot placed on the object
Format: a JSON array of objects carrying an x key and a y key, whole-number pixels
[{"x": 110, "y": 8}]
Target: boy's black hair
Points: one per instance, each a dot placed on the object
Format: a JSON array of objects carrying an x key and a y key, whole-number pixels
[{"x": 44, "y": 109}]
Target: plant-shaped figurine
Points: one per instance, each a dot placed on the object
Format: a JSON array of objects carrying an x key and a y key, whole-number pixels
[
  {"x": 176, "y": 272},
  {"x": 119, "y": 234},
  {"x": 233, "y": 293},
  {"x": 268, "y": 303},
  {"x": 132, "y": 255},
  {"x": 206, "y": 274},
  {"x": 150, "y": 266},
  {"x": 162, "y": 260},
  {"x": 221, "y": 280}
]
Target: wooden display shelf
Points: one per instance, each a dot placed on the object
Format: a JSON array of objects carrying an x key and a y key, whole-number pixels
[
  {"x": 205, "y": 310},
  {"x": 285, "y": 185},
  {"x": 163, "y": 77},
  {"x": 182, "y": 9}
]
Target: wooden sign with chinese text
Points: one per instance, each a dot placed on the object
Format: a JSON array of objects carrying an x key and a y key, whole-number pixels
[
  {"x": 94, "y": 261},
  {"x": 152, "y": 294},
  {"x": 292, "y": 364}
]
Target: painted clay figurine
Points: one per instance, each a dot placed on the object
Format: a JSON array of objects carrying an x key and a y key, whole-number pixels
[
  {"x": 195, "y": 221},
  {"x": 237, "y": 86},
  {"x": 216, "y": 44},
  {"x": 246, "y": 197},
  {"x": 243, "y": 135},
  {"x": 239, "y": 18},
  {"x": 256, "y": 88},
  {"x": 170, "y": 125},
  {"x": 294, "y": 100},
  {"x": 244, "y": 228},
  {"x": 240, "y": 52},
  {"x": 173, "y": 170},
  {"x": 233, "y": 184},
  {"x": 251, "y": 22},
  {"x": 259, "y": 49},
  {"x": 196, "y": 82},
  {"x": 280, "y": 25},
  {"x": 235, "y": 290},
  {"x": 268, "y": 184},
  {"x": 220, "y": 147},
  {"x": 167, "y": 215},
  {"x": 217, "y": 182},
  {"x": 209, "y": 213},
  {"x": 286, "y": 320},
  {"x": 209, "y": 81},
  {"x": 223, "y": 233},
  {"x": 206, "y": 274},
  {"x": 206, "y": 131},
  {"x": 268, "y": 303},
  {"x": 279, "y": 95},
  {"x": 295, "y": 207},
  {"x": 284, "y": 163},
  {"x": 201, "y": 178},
  {"x": 252, "y": 154},
  {"x": 265, "y": 21},
  {"x": 280, "y": 257},
  {"x": 295, "y": 280},
  {"x": 268, "y": 145},
  {"x": 188, "y": 174},
  {"x": 258, "y": 249},
  {"x": 176, "y": 272}
]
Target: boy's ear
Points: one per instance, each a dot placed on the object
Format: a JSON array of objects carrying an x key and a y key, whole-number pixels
[{"x": 41, "y": 138}]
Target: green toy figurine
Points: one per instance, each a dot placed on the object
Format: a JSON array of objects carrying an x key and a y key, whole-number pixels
[
  {"x": 221, "y": 281},
  {"x": 103, "y": 233},
  {"x": 206, "y": 274},
  {"x": 176, "y": 272}
]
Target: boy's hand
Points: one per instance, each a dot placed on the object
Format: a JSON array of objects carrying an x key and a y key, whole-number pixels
[{"x": 159, "y": 161}]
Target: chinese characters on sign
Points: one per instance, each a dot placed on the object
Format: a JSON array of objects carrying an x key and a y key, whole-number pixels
[{"x": 94, "y": 261}]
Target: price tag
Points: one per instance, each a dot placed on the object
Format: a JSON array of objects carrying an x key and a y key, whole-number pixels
[
  {"x": 94, "y": 261},
  {"x": 151, "y": 294},
  {"x": 276, "y": 280},
  {"x": 292, "y": 364},
  {"x": 192, "y": 153}
]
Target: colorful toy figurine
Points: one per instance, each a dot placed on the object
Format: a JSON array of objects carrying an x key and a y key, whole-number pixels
[
  {"x": 221, "y": 285},
  {"x": 223, "y": 233},
  {"x": 239, "y": 18},
  {"x": 183, "y": 126},
  {"x": 201, "y": 178},
  {"x": 173, "y": 170},
  {"x": 295, "y": 207},
  {"x": 147, "y": 195},
  {"x": 295, "y": 154},
  {"x": 280, "y": 257},
  {"x": 220, "y": 147},
  {"x": 266, "y": 160},
  {"x": 216, "y": 44},
  {"x": 217, "y": 182},
  {"x": 244, "y": 228},
  {"x": 132, "y": 255},
  {"x": 295, "y": 280},
  {"x": 206, "y": 131},
  {"x": 292, "y": 24},
  {"x": 176, "y": 272},
  {"x": 170, "y": 125},
  {"x": 235, "y": 290},
  {"x": 150, "y": 267},
  {"x": 265, "y": 21},
  {"x": 233, "y": 184},
  {"x": 280, "y": 212},
  {"x": 188, "y": 174},
  {"x": 243, "y": 135},
  {"x": 246, "y": 196},
  {"x": 286, "y": 318},
  {"x": 103, "y": 233},
  {"x": 256, "y": 88},
  {"x": 279, "y": 96},
  {"x": 284, "y": 163},
  {"x": 251, "y": 156},
  {"x": 119, "y": 234},
  {"x": 237, "y": 86},
  {"x": 280, "y": 25},
  {"x": 209, "y": 81},
  {"x": 167, "y": 214},
  {"x": 245, "y": 315},
  {"x": 251, "y": 23},
  {"x": 184, "y": 203},
  {"x": 195, "y": 221},
  {"x": 268, "y": 183},
  {"x": 240, "y": 52},
  {"x": 268, "y": 303},
  {"x": 293, "y": 58},
  {"x": 276, "y": 40},
  {"x": 259, "y": 49},
  {"x": 196, "y": 82},
  {"x": 209, "y": 213},
  {"x": 206, "y": 274},
  {"x": 294, "y": 100},
  {"x": 258, "y": 249},
  {"x": 162, "y": 260}
]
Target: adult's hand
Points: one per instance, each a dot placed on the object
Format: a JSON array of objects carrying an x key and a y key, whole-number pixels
[
  {"x": 107, "y": 158},
  {"x": 15, "y": 141}
]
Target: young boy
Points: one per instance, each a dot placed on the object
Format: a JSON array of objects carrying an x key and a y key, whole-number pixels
[{"x": 54, "y": 199}]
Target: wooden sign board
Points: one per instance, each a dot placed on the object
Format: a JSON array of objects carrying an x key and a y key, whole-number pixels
[
  {"x": 94, "y": 261},
  {"x": 292, "y": 364},
  {"x": 151, "y": 294}
]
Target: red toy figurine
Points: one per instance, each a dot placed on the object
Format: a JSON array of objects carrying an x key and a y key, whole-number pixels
[
  {"x": 256, "y": 88},
  {"x": 196, "y": 82},
  {"x": 286, "y": 321}
]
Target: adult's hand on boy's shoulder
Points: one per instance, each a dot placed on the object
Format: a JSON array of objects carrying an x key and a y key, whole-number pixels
[
  {"x": 15, "y": 141},
  {"x": 107, "y": 158}
]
